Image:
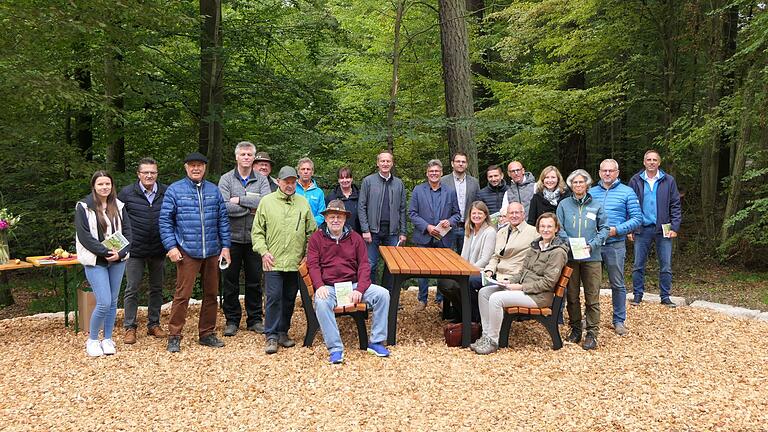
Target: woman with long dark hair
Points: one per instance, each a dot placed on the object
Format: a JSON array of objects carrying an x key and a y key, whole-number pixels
[{"x": 99, "y": 216}]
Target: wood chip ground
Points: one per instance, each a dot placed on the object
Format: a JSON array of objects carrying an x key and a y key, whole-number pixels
[{"x": 681, "y": 369}]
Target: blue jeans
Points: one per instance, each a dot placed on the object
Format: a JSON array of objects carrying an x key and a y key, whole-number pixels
[
  {"x": 424, "y": 282},
  {"x": 377, "y": 299},
  {"x": 281, "y": 298},
  {"x": 613, "y": 255},
  {"x": 643, "y": 241},
  {"x": 105, "y": 282},
  {"x": 379, "y": 239}
]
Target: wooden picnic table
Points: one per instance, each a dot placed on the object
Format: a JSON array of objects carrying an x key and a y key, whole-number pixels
[
  {"x": 65, "y": 264},
  {"x": 407, "y": 262},
  {"x": 6, "y": 296}
]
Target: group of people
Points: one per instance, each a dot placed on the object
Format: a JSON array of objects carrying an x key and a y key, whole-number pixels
[{"x": 520, "y": 234}]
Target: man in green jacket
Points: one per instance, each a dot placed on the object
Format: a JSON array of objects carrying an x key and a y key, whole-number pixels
[{"x": 280, "y": 233}]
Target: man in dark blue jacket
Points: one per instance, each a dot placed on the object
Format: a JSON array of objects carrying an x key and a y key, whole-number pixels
[
  {"x": 434, "y": 211},
  {"x": 624, "y": 216},
  {"x": 662, "y": 215},
  {"x": 194, "y": 228},
  {"x": 143, "y": 200}
]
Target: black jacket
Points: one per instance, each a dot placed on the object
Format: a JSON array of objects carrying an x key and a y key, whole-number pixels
[
  {"x": 145, "y": 229},
  {"x": 539, "y": 206},
  {"x": 349, "y": 203},
  {"x": 493, "y": 197}
]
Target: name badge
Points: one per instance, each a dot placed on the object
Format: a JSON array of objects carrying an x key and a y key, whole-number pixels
[{"x": 591, "y": 216}]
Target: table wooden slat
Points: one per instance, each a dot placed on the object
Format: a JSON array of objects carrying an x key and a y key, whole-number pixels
[
  {"x": 12, "y": 265},
  {"x": 464, "y": 267},
  {"x": 395, "y": 263},
  {"x": 416, "y": 264},
  {"x": 435, "y": 266},
  {"x": 36, "y": 261}
]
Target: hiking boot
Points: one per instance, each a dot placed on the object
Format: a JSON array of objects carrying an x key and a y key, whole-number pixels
[
  {"x": 130, "y": 336},
  {"x": 285, "y": 341},
  {"x": 174, "y": 344},
  {"x": 489, "y": 348},
  {"x": 271, "y": 346},
  {"x": 230, "y": 329},
  {"x": 336, "y": 357},
  {"x": 378, "y": 350},
  {"x": 636, "y": 300},
  {"x": 211, "y": 341},
  {"x": 590, "y": 342},
  {"x": 620, "y": 329},
  {"x": 574, "y": 336},
  {"x": 668, "y": 303},
  {"x": 257, "y": 327}
]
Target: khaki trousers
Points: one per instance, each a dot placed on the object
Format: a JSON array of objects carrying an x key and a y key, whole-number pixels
[{"x": 588, "y": 274}]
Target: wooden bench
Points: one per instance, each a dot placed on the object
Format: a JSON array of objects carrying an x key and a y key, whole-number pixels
[
  {"x": 359, "y": 311},
  {"x": 548, "y": 317}
]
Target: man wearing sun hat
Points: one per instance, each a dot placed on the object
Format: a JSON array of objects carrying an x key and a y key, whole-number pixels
[
  {"x": 336, "y": 255},
  {"x": 281, "y": 228},
  {"x": 194, "y": 229},
  {"x": 263, "y": 164}
]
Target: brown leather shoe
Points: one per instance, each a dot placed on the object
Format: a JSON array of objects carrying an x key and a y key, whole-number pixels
[
  {"x": 157, "y": 332},
  {"x": 130, "y": 336}
]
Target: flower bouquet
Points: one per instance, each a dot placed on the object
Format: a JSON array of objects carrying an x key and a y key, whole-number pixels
[{"x": 8, "y": 222}]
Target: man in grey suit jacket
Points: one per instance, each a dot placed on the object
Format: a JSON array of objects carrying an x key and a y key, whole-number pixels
[{"x": 466, "y": 188}]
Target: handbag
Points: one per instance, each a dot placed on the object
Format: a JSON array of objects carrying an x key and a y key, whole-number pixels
[{"x": 452, "y": 333}]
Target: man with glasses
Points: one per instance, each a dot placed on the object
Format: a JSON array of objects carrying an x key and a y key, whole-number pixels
[
  {"x": 624, "y": 216},
  {"x": 143, "y": 200},
  {"x": 521, "y": 186}
]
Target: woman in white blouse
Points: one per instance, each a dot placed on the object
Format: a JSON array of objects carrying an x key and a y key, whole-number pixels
[{"x": 479, "y": 241}]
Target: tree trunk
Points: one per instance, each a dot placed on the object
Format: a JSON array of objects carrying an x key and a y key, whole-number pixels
[
  {"x": 6, "y": 295},
  {"x": 83, "y": 118},
  {"x": 742, "y": 146},
  {"x": 211, "y": 88},
  {"x": 572, "y": 152},
  {"x": 114, "y": 117},
  {"x": 392, "y": 106},
  {"x": 457, "y": 79}
]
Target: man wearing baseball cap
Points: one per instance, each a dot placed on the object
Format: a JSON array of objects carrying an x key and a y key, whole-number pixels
[
  {"x": 194, "y": 229},
  {"x": 337, "y": 255},
  {"x": 281, "y": 228}
]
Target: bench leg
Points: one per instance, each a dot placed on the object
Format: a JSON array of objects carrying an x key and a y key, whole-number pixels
[
  {"x": 554, "y": 332},
  {"x": 313, "y": 325},
  {"x": 506, "y": 324},
  {"x": 362, "y": 331}
]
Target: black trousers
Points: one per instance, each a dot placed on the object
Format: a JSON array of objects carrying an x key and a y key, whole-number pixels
[{"x": 243, "y": 257}]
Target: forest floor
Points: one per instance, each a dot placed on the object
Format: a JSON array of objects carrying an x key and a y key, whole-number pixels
[{"x": 677, "y": 369}]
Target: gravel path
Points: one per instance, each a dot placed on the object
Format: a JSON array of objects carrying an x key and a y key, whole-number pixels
[{"x": 682, "y": 369}]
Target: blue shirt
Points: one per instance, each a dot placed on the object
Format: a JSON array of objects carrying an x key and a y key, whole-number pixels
[
  {"x": 150, "y": 194},
  {"x": 649, "y": 201}
]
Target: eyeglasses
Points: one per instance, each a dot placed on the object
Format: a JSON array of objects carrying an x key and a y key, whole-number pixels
[
  {"x": 608, "y": 170},
  {"x": 148, "y": 173},
  {"x": 578, "y": 182},
  {"x": 516, "y": 170},
  {"x": 516, "y": 212}
]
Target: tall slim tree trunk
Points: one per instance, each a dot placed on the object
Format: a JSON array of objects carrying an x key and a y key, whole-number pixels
[
  {"x": 711, "y": 147},
  {"x": 572, "y": 152},
  {"x": 83, "y": 129},
  {"x": 743, "y": 144},
  {"x": 457, "y": 79},
  {"x": 392, "y": 106},
  {"x": 114, "y": 117},
  {"x": 211, "y": 87}
]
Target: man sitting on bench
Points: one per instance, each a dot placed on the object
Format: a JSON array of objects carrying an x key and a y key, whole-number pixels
[{"x": 337, "y": 256}]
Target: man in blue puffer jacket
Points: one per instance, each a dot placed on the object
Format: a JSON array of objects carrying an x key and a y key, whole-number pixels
[
  {"x": 624, "y": 215},
  {"x": 194, "y": 229}
]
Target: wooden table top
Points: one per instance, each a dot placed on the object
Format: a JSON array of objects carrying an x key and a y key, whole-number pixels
[
  {"x": 45, "y": 260},
  {"x": 426, "y": 261},
  {"x": 13, "y": 265}
]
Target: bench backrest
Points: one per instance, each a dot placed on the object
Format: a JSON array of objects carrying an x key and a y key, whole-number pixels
[
  {"x": 562, "y": 283},
  {"x": 304, "y": 273}
]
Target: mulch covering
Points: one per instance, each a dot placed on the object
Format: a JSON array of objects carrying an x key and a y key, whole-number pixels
[{"x": 682, "y": 369}]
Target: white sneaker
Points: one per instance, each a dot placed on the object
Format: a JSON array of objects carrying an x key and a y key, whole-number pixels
[
  {"x": 93, "y": 348},
  {"x": 108, "y": 346}
]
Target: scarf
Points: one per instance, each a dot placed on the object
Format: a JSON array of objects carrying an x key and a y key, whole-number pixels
[{"x": 552, "y": 196}]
